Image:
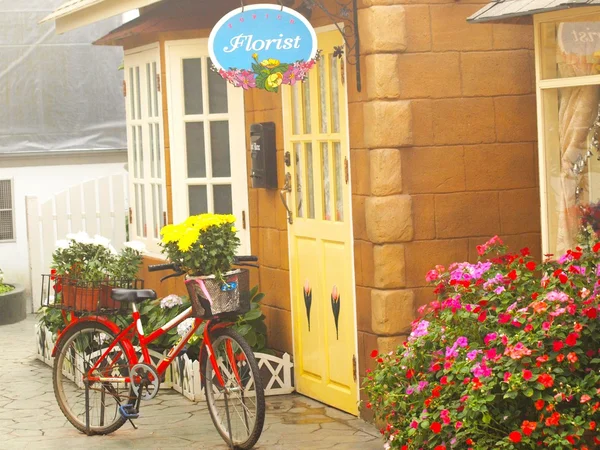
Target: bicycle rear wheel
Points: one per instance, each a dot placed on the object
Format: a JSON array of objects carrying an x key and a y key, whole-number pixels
[
  {"x": 78, "y": 352},
  {"x": 238, "y": 409}
]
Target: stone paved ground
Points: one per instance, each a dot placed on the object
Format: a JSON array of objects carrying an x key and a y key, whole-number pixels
[{"x": 31, "y": 419}]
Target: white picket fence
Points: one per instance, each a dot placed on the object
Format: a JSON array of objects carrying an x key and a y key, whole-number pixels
[
  {"x": 183, "y": 374},
  {"x": 96, "y": 206}
]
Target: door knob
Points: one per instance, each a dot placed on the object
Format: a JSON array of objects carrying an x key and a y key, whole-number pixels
[{"x": 287, "y": 188}]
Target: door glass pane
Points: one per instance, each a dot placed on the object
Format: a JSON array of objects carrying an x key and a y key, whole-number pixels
[
  {"x": 198, "y": 200},
  {"x": 138, "y": 210},
  {"x": 152, "y": 150},
  {"x": 141, "y": 150},
  {"x": 299, "y": 179},
  {"x": 196, "y": 159},
  {"x": 306, "y": 102},
  {"x": 144, "y": 219},
  {"x": 326, "y": 181},
  {"x": 149, "y": 85},
  {"x": 339, "y": 188},
  {"x": 155, "y": 78},
  {"x": 223, "y": 200},
  {"x": 134, "y": 151},
  {"x": 161, "y": 209},
  {"x": 132, "y": 95},
  {"x": 155, "y": 211},
  {"x": 219, "y": 148},
  {"x": 296, "y": 109},
  {"x": 323, "y": 100},
  {"x": 138, "y": 93},
  {"x": 310, "y": 183},
  {"x": 335, "y": 92},
  {"x": 158, "y": 152},
  {"x": 192, "y": 85},
  {"x": 217, "y": 91}
]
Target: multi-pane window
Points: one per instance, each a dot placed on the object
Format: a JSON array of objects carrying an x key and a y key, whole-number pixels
[
  {"x": 568, "y": 83},
  {"x": 145, "y": 141},
  {"x": 7, "y": 215}
]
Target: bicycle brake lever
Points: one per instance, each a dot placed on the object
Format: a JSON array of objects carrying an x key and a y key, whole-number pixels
[{"x": 176, "y": 274}]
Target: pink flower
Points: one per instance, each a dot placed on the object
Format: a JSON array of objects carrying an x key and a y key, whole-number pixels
[
  {"x": 585, "y": 398},
  {"x": 458, "y": 424},
  {"x": 489, "y": 338},
  {"x": 414, "y": 424},
  {"x": 246, "y": 79}
]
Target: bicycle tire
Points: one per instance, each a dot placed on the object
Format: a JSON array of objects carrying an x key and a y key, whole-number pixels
[
  {"x": 83, "y": 335},
  {"x": 211, "y": 384}
]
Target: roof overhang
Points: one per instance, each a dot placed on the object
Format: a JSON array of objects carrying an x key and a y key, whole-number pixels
[
  {"x": 512, "y": 10},
  {"x": 78, "y": 13}
]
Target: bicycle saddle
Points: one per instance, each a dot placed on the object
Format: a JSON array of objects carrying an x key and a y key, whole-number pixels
[{"x": 132, "y": 295}]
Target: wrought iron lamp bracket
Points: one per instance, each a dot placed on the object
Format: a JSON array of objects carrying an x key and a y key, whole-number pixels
[{"x": 346, "y": 12}]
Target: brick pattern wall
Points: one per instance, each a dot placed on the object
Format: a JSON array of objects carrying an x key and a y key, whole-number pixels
[{"x": 451, "y": 139}]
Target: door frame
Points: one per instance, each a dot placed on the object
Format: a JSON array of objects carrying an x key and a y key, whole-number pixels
[
  {"x": 238, "y": 163},
  {"x": 318, "y": 31}
]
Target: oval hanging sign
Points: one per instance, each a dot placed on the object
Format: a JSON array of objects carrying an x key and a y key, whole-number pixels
[{"x": 263, "y": 46}]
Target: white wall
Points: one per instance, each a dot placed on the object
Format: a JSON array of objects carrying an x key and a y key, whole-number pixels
[{"x": 44, "y": 181}]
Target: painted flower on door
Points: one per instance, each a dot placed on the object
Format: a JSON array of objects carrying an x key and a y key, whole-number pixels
[
  {"x": 335, "y": 306},
  {"x": 307, "y": 300}
]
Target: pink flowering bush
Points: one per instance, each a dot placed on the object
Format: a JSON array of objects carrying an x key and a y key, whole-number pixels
[{"x": 507, "y": 357}]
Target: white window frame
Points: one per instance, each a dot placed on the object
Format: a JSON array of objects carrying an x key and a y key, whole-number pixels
[
  {"x": 155, "y": 219},
  {"x": 12, "y": 210},
  {"x": 547, "y": 84},
  {"x": 237, "y": 141}
]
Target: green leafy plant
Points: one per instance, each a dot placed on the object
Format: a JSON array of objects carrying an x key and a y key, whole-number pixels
[
  {"x": 507, "y": 357},
  {"x": 93, "y": 260},
  {"x": 202, "y": 245},
  {"x": 4, "y": 288}
]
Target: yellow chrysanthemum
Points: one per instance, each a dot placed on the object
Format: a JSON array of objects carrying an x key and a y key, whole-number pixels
[{"x": 186, "y": 241}]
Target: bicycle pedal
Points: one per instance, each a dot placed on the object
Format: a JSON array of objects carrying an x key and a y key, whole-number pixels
[{"x": 129, "y": 412}]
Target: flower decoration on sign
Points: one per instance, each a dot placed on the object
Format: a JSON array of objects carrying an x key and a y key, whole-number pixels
[
  {"x": 307, "y": 300},
  {"x": 269, "y": 74},
  {"x": 335, "y": 306}
]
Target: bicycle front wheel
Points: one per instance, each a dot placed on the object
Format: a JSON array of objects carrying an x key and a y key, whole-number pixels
[
  {"x": 238, "y": 408},
  {"x": 94, "y": 410}
]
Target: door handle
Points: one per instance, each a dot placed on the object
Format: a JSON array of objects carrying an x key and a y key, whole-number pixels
[{"x": 287, "y": 188}]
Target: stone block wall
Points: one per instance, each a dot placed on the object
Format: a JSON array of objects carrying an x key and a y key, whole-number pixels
[{"x": 451, "y": 145}]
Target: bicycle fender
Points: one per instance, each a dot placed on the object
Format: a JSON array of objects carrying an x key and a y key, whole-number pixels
[{"x": 127, "y": 346}]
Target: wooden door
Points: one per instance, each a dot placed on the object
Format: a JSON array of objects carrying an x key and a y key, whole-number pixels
[{"x": 320, "y": 237}]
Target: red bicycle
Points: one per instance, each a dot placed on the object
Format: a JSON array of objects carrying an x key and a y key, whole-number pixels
[{"x": 99, "y": 380}]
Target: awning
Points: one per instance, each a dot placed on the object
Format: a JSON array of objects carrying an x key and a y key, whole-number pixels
[
  {"x": 78, "y": 13},
  {"x": 507, "y": 9}
]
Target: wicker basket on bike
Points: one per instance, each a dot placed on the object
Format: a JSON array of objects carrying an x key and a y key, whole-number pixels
[{"x": 212, "y": 297}]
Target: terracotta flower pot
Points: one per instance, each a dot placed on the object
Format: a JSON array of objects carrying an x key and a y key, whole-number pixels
[{"x": 81, "y": 298}]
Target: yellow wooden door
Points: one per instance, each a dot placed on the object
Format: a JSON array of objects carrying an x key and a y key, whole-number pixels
[{"x": 320, "y": 237}]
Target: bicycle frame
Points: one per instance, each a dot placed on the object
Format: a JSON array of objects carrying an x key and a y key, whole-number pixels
[{"x": 135, "y": 329}]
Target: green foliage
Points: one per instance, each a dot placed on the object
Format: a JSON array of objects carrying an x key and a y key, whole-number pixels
[
  {"x": 252, "y": 324},
  {"x": 4, "y": 288}
]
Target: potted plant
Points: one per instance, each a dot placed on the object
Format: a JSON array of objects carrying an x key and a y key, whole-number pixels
[
  {"x": 13, "y": 307},
  {"x": 204, "y": 247},
  {"x": 84, "y": 269}
]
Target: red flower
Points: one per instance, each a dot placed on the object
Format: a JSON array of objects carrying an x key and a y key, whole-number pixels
[
  {"x": 504, "y": 318},
  {"x": 571, "y": 339},
  {"x": 592, "y": 313},
  {"x": 525, "y": 251},
  {"x": 482, "y": 316},
  {"x": 410, "y": 373},
  {"x": 528, "y": 328},
  {"x": 369, "y": 405},
  {"x": 436, "y": 427},
  {"x": 560, "y": 358},
  {"x": 528, "y": 427},
  {"x": 557, "y": 345},
  {"x": 572, "y": 357},
  {"x": 546, "y": 380},
  {"x": 539, "y": 404},
  {"x": 515, "y": 437},
  {"x": 592, "y": 425},
  {"x": 527, "y": 374},
  {"x": 469, "y": 441},
  {"x": 435, "y": 392},
  {"x": 553, "y": 419},
  {"x": 440, "y": 447},
  {"x": 531, "y": 265},
  {"x": 374, "y": 354},
  {"x": 596, "y": 247},
  {"x": 512, "y": 275},
  {"x": 571, "y": 439},
  {"x": 444, "y": 380}
]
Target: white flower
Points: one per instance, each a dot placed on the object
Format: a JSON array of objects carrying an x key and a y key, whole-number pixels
[
  {"x": 136, "y": 245},
  {"x": 62, "y": 244},
  {"x": 112, "y": 249},
  {"x": 184, "y": 327},
  {"x": 82, "y": 238},
  {"x": 101, "y": 240},
  {"x": 170, "y": 301}
]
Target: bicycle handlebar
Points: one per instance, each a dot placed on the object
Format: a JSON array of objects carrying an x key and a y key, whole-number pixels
[{"x": 171, "y": 266}]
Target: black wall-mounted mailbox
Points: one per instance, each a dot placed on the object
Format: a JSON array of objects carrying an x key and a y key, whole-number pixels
[{"x": 264, "y": 155}]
